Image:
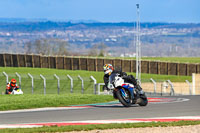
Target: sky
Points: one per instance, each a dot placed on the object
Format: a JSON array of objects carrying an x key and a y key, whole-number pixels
[{"x": 178, "y": 11}]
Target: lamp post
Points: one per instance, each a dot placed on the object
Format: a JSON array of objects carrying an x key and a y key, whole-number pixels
[{"x": 138, "y": 46}]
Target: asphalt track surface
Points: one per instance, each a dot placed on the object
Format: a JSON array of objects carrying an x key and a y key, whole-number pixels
[{"x": 164, "y": 107}]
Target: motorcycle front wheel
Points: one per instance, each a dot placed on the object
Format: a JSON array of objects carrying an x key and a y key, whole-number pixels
[
  {"x": 124, "y": 97},
  {"x": 142, "y": 101}
]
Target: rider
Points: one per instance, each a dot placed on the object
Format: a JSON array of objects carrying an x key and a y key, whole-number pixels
[
  {"x": 11, "y": 85},
  {"x": 108, "y": 70}
]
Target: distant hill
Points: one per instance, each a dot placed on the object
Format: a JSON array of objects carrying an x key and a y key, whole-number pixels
[
  {"x": 19, "y": 20},
  {"x": 24, "y": 25},
  {"x": 84, "y": 37}
]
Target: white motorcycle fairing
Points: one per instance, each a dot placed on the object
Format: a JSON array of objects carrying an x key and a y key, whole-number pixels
[{"x": 17, "y": 92}]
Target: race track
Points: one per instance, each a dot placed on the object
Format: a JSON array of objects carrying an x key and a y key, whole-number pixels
[{"x": 158, "y": 107}]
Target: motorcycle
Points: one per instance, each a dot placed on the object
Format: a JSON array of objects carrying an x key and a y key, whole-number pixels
[
  {"x": 126, "y": 93},
  {"x": 17, "y": 91}
]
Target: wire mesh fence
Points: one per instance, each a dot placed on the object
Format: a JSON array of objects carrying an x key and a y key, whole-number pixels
[{"x": 87, "y": 87}]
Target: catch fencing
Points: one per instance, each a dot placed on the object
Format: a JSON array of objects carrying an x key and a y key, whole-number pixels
[
  {"x": 96, "y": 64},
  {"x": 50, "y": 84},
  {"x": 62, "y": 84}
]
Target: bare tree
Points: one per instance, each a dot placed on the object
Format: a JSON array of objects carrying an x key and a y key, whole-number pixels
[
  {"x": 93, "y": 51},
  {"x": 102, "y": 48},
  {"x": 48, "y": 47},
  {"x": 98, "y": 50}
]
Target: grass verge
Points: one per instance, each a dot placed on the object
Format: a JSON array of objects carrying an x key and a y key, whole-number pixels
[
  {"x": 99, "y": 127},
  {"x": 162, "y": 59},
  {"x": 28, "y": 101}
]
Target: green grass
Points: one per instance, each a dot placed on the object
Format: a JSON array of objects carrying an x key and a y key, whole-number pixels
[
  {"x": 174, "y": 59},
  {"x": 162, "y": 59},
  {"x": 98, "y": 75},
  {"x": 99, "y": 127},
  {"x": 65, "y": 82},
  {"x": 27, "y": 101}
]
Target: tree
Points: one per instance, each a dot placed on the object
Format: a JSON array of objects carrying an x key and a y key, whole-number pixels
[
  {"x": 102, "y": 48},
  {"x": 98, "y": 50},
  {"x": 93, "y": 51},
  {"x": 47, "y": 47}
]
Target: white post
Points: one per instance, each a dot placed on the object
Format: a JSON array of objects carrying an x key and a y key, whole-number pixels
[
  {"x": 99, "y": 85},
  {"x": 193, "y": 83},
  {"x": 20, "y": 80},
  {"x": 190, "y": 86},
  {"x": 95, "y": 82},
  {"x": 98, "y": 89},
  {"x": 6, "y": 75},
  {"x": 82, "y": 83},
  {"x": 44, "y": 83},
  {"x": 58, "y": 81},
  {"x": 154, "y": 82},
  {"x": 71, "y": 79},
  {"x": 172, "y": 87},
  {"x": 32, "y": 81}
]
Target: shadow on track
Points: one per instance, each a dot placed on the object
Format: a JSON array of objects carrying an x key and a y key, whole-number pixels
[{"x": 114, "y": 106}]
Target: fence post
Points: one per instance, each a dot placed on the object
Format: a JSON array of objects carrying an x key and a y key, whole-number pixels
[
  {"x": 58, "y": 79},
  {"x": 20, "y": 79},
  {"x": 172, "y": 87},
  {"x": 82, "y": 83},
  {"x": 4, "y": 60},
  {"x": 71, "y": 79},
  {"x": 6, "y": 75},
  {"x": 99, "y": 85},
  {"x": 190, "y": 86},
  {"x": 154, "y": 82},
  {"x": 193, "y": 84},
  {"x": 44, "y": 83},
  {"x": 95, "y": 82},
  {"x": 32, "y": 81}
]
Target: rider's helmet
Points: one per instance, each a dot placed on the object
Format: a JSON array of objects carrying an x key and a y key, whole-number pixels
[
  {"x": 108, "y": 69},
  {"x": 13, "y": 82}
]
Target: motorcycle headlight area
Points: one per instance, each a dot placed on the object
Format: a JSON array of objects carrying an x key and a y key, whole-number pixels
[{"x": 118, "y": 81}]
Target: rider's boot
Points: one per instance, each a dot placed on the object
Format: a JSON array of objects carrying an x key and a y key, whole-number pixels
[
  {"x": 139, "y": 88},
  {"x": 141, "y": 93}
]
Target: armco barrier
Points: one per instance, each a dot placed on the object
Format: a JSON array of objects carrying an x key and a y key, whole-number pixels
[{"x": 96, "y": 64}]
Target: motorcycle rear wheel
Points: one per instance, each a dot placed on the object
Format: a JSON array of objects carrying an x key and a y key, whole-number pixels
[{"x": 126, "y": 101}]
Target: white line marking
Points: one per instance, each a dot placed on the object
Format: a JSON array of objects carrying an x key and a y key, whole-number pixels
[{"x": 41, "y": 109}]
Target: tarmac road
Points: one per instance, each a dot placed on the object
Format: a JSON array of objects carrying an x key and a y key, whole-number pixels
[{"x": 172, "y": 107}]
